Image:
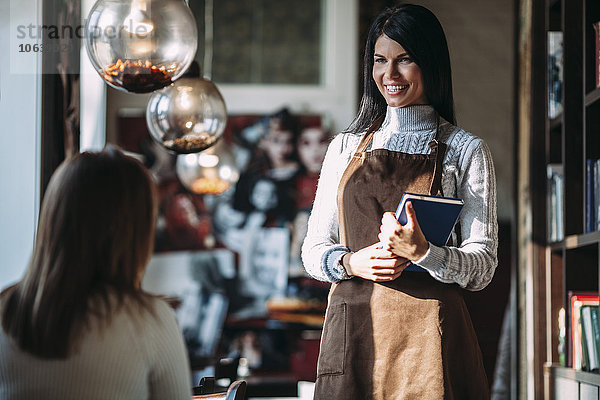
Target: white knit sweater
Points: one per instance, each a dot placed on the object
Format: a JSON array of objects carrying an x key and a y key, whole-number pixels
[
  {"x": 138, "y": 356},
  {"x": 468, "y": 173}
]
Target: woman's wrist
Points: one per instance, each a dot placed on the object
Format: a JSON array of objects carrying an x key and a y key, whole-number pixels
[
  {"x": 422, "y": 251},
  {"x": 422, "y": 254},
  {"x": 345, "y": 263},
  {"x": 331, "y": 263}
]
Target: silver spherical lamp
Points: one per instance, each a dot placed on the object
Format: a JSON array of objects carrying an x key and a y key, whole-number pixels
[
  {"x": 212, "y": 171},
  {"x": 139, "y": 46},
  {"x": 188, "y": 116}
]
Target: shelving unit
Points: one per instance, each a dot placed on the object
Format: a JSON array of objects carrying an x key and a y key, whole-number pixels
[{"x": 550, "y": 270}]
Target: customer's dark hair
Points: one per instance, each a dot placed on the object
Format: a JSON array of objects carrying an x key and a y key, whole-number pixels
[
  {"x": 94, "y": 238},
  {"x": 420, "y": 33}
]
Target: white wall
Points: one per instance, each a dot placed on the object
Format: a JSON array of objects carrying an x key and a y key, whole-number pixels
[
  {"x": 337, "y": 96},
  {"x": 92, "y": 97},
  {"x": 20, "y": 99}
]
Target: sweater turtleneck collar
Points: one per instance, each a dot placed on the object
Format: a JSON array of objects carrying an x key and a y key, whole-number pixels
[{"x": 410, "y": 119}]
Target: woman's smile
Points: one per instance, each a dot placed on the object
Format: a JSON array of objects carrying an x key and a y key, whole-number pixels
[{"x": 395, "y": 89}]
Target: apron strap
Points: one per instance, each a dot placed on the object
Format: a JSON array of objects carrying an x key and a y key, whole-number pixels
[
  {"x": 436, "y": 136},
  {"x": 354, "y": 163},
  {"x": 368, "y": 136},
  {"x": 438, "y": 148}
]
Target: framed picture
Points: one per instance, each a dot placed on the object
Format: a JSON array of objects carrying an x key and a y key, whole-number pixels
[
  {"x": 278, "y": 157},
  {"x": 261, "y": 218},
  {"x": 196, "y": 284}
]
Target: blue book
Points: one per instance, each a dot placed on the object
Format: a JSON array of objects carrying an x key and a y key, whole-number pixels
[
  {"x": 590, "y": 206},
  {"x": 436, "y": 215}
]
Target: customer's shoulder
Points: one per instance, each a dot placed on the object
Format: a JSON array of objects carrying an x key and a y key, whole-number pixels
[
  {"x": 160, "y": 305},
  {"x": 145, "y": 307}
]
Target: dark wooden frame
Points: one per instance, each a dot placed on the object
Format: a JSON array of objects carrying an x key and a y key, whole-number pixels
[{"x": 60, "y": 88}]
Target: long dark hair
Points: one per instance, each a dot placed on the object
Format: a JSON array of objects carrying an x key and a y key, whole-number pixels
[
  {"x": 420, "y": 33},
  {"x": 94, "y": 238}
]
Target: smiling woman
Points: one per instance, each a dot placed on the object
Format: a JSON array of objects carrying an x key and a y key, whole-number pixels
[
  {"x": 398, "y": 77},
  {"x": 404, "y": 139}
]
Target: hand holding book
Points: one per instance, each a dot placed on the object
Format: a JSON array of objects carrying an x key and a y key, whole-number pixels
[
  {"x": 406, "y": 240},
  {"x": 437, "y": 215},
  {"x": 419, "y": 220},
  {"x": 402, "y": 239}
]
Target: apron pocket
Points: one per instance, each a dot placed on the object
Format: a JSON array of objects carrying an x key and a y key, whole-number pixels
[{"x": 333, "y": 342}]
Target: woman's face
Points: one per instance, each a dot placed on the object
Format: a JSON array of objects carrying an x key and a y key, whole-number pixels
[
  {"x": 312, "y": 146},
  {"x": 397, "y": 76},
  {"x": 278, "y": 145},
  {"x": 264, "y": 196},
  {"x": 226, "y": 217}
]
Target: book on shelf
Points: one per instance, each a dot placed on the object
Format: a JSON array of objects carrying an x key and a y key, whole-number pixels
[
  {"x": 555, "y": 199},
  {"x": 577, "y": 358},
  {"x": 436, "y": 215},
  {"x": 555, "y": 73},
  {"x": 562, "y": 337},
  {"x": 597, "y": 53},
  {"x": 585, "y": 354},
  {"x": 589, "y": 338},
  {"x": 592, "y": 195},
  {"x": 596, "y": 331}
]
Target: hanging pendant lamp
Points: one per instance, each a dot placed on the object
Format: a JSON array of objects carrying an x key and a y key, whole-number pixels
[
  {"x": 140, "y": 46},
  {"x": 188, "y": 116},
  {"x": 212, "y": 171}
]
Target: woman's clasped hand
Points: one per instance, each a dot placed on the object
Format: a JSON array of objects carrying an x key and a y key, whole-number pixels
[
  {"x": 406, "y": 241},
  {"x": 374, "y": 263}
]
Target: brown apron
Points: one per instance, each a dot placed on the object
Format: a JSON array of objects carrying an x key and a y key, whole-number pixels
[{"x": 411, "y": 338}]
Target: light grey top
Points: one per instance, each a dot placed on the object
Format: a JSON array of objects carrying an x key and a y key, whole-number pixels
[
  {"x": 468, "y": 173},
  {"x": 135, "y": 357}
]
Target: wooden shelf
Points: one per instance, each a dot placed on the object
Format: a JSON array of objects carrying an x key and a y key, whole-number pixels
[
  {"x": 592, "y": 97},
  {"x": 575, "y": 241},
  {"x": 551, "y": 270},
  {"x": 591, "y": 378}
]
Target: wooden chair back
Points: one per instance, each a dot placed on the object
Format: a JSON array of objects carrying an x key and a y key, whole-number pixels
[{"x": 235, "y": 391}]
